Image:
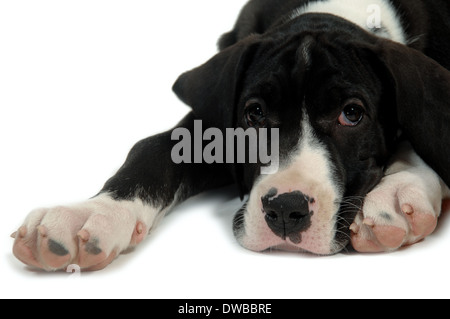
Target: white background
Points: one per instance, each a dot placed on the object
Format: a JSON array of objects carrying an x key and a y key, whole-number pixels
[{"x": 80, "y": 83}]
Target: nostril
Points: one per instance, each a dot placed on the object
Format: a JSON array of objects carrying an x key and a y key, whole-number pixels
[
  {"x": 296, "y": 216},
  {"x": 272, "y": 215}
]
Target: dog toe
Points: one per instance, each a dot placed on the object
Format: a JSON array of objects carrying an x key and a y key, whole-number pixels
[
  {"x": 390, "y": 237},
  {"x": 90, "y": 253},
  {"x": 53, "y": 255},
  {"x": 23, "y": 248},
  {"x": 423, "y": 222},
  {"x": 365, "y": 245},
  {"x": 377, "y": 238},
  {"x": 420, "y": 211}
]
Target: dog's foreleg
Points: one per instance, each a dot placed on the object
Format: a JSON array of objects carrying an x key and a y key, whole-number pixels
[{"x": 92, "y": 233}]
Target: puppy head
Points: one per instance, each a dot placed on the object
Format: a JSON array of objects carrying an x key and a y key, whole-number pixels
[{"x": 334, "y": 97}]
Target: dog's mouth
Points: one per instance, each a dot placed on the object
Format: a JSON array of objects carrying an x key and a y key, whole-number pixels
[
  {"x": 318, "y": 243},
  {"x": 295, "y": 222}
]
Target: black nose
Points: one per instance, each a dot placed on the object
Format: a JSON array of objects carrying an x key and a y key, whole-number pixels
[{"x": 287, "y": 215}]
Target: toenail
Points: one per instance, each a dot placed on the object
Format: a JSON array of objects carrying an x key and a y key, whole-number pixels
[
  {"x": 42, "y": 230},
  {"x": 354, "y": 228},
  {"x": 139, "y": 228},
  {"x": 369, "y": 222},
  {"x": 22, "y": 231},
  {"x": 83, "y": 235},
  {"x": 407, "y": 209}
]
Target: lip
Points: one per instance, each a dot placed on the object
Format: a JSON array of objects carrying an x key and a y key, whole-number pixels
[{"x": 288, "y": 246}]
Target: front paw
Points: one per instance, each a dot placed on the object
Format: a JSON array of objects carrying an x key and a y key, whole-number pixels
[
  {"x": 401, "y": 211},
  {"x": 90, "y": 234}
]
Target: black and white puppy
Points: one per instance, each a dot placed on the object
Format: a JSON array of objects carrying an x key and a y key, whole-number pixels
[{"x": 338, "y": 79}]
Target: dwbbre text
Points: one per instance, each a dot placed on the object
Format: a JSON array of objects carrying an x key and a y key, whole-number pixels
[{"x": 231, "y": 308}]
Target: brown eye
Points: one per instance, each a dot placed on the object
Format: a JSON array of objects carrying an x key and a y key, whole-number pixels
[
  {"x": 352, "y": 113},
  {"x": 255, "y": 113}
]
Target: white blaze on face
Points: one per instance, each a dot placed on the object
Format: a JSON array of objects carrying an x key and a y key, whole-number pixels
[{"x": 309, "y": 171}]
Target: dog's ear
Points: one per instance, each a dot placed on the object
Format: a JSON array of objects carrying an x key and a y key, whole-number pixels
[
  {"x": 211, "y": 89},
  {"x": 421, "y": 88}
]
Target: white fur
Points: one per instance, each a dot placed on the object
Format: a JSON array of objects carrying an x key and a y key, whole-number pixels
[
  {"x": 360, "y": 12},
  {"x": 309, "y": 171}
]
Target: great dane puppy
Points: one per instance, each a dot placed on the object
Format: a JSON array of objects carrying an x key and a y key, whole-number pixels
[{"x": 356, "y": 94}]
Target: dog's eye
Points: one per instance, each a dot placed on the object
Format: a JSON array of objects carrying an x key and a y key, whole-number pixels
[
  {"x": 255, "y": 113},
  {"x": 353, "y": 113}
]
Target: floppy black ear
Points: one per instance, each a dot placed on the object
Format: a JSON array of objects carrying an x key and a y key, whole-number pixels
[
  {"x": 422, "y": 90},
  {"x": 211, "y": 89}
]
